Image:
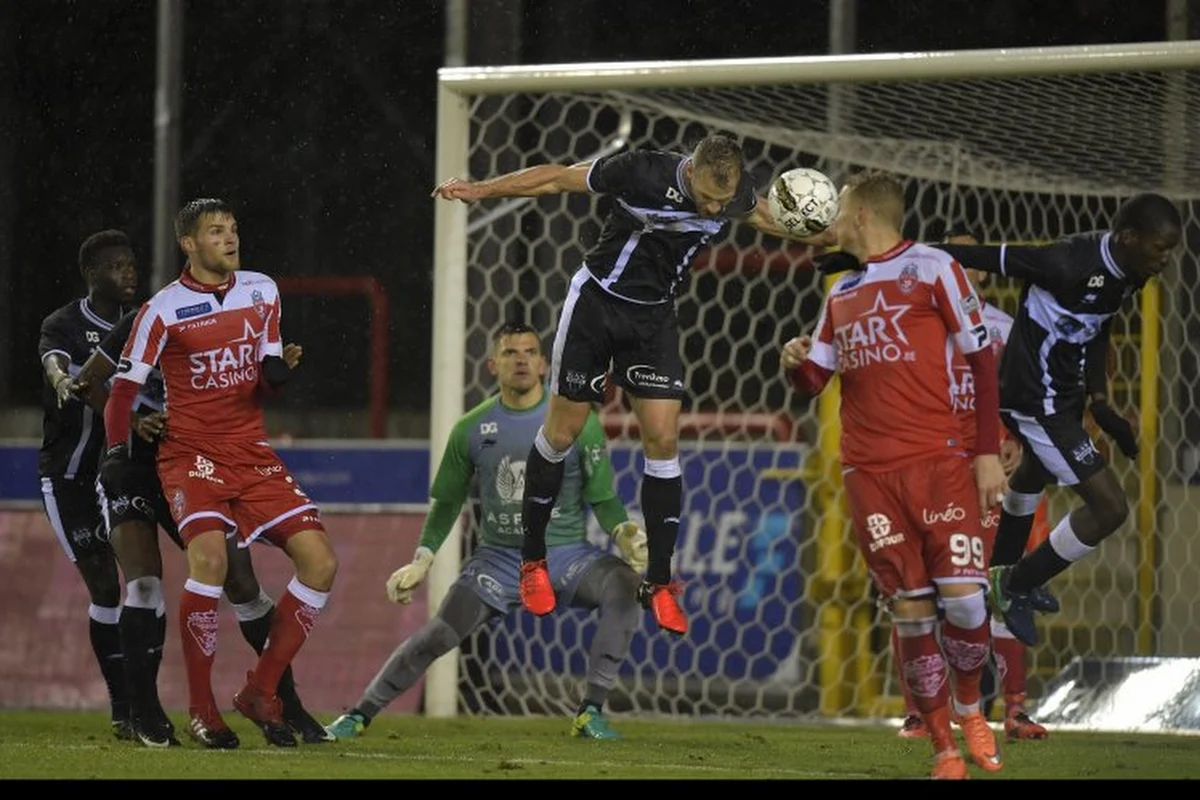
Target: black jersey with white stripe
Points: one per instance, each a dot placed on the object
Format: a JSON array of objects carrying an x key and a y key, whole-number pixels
[
  {"x": 72, "y": 436},
  {"x": 1072, "y": 289},
  {"x": 151, "y": 395},
  {"x": 653, "y": 229}
]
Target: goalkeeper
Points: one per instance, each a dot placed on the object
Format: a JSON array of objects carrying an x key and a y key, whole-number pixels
[{"x": 491, "y": 442}]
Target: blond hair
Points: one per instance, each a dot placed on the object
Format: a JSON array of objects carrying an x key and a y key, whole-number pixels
[{"x": 881, "y": 192}]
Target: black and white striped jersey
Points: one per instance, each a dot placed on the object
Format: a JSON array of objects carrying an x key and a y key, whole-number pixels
[
  {"x": 1057, "y": 348},
  {"x": 653, "y": 229},
  {"x": 72, "y": 436}
]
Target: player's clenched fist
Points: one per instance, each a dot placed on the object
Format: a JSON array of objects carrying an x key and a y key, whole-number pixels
[
  {"x": 404, "y": 581},
  {"x": 795, "y": 351},
  {"x": 457, "y": 189}
]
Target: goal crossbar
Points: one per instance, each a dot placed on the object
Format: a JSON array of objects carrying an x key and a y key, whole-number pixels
[{"x": 849, "y": 68}]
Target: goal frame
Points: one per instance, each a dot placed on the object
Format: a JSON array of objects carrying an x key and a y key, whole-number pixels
[{"x": 457, "y": 85}]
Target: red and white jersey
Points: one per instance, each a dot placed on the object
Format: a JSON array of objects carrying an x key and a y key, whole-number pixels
[
  {"x": 208, "y": 342},
  {"x": 962, "y": 380},
  {"x": 884, "y": 329}
]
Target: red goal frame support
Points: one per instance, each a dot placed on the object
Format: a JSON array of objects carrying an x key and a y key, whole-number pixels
[{"x": 377, "y": 301}]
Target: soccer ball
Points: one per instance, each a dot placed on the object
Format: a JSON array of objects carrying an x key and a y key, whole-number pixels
[{"x": 803, "y": 201}]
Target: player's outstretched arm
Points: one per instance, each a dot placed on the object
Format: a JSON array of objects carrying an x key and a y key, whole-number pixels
[
  {"x": 529, "y": 182},
  {"x": 90, "y": 383},
  {"x": 1043, "y": 265},
  {"x": 762, "y": 219}
]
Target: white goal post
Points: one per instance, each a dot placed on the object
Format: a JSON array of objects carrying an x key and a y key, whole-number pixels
[{"x": 1048, "y": 140}]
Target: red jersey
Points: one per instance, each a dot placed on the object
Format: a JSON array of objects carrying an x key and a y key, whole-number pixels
[
  {"x": 962, "y": 381},
  {"x": 885, "y": 329},
  {"x": 208, "y": 342}
]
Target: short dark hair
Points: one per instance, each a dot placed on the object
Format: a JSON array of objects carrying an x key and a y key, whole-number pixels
[
  {"x": 92, "y": 245},
  {"x": 720, "y": 156},
  {"x": 189, "y": 216},
  {"x": 1147, "y": 214},
  {"x": 512, "y": 328}
]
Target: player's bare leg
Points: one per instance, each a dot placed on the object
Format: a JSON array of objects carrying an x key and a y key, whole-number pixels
[
  {"x": 306, "y": 594},
  {"x": 966, "y": 642},
  {"x": 198, "y": 623},
  {"x": 543, "y": 479},
  {"x": 923, "y": 668},
  {"x": 662, "y": 506}
]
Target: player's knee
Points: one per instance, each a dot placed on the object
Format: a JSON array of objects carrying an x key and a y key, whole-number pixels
[
  {"x": 241, "y": 584},
  {"x": 318, "y": 568},
  {"x": 144, "y": 592},
  {"x": 437, "y": 638},
  {"x": 240, "y": 587},
  {"x": 100, "y": 575},
  {"x": 1112, "y": 512},
  {"x": 619, "y": 595},
  {"x": 207, "y": 563},
  {"x": 560, "y": 434},
  {"x": 967, "y": 611}
]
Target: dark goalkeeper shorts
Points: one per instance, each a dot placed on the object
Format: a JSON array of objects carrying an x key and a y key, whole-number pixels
[
  {"x": 1059, "y": 442},
  {"x": 597, "y": 331}
]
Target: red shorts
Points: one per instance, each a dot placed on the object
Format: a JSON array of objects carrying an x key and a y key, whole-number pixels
[
  {"x": 920, "y": 525},
  {"x": 243, "y": 489}
]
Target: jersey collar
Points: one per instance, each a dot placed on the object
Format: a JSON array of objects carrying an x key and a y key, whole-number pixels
[
  {"x": 683, "y": 186},
  {"x": 85, "y": 307},
  {"x": 187, "y": 280},
  {"x": 891, "y": 253},
  {"x": 1106, "y": 256}
]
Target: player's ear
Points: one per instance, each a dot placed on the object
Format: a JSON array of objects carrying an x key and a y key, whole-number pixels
[
  {"x": 541, "y": 370},
  {"x": 491, "y": 365}
]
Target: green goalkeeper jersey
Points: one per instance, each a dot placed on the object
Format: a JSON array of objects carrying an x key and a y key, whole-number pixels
[{"x": 490, "y": 443}]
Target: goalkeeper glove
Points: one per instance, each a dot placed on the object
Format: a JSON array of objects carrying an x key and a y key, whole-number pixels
[
  {"x": 1116, "y": 426},
  {"x": 404, "y": 581},
  {"x": 631, "y": 541}
]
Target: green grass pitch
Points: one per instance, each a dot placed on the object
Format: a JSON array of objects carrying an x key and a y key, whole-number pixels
[{"x": 77, "y": 745}]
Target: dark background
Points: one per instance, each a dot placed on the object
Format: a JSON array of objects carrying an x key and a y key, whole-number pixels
[{"x": 315, "y": 119}]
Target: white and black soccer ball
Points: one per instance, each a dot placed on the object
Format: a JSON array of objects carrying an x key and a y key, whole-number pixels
[{"x": 803, "y": 201}]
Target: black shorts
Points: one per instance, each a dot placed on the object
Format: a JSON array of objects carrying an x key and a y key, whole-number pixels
[
  {"x": 1059, "y": 442},
  {"x": 597, "y": 331},
  {"x": 74, "y": 514},
  {"x": 136, "y": 495}
]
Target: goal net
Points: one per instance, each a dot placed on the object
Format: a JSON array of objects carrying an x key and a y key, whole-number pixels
[{"x": 1021, "y": 145}]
